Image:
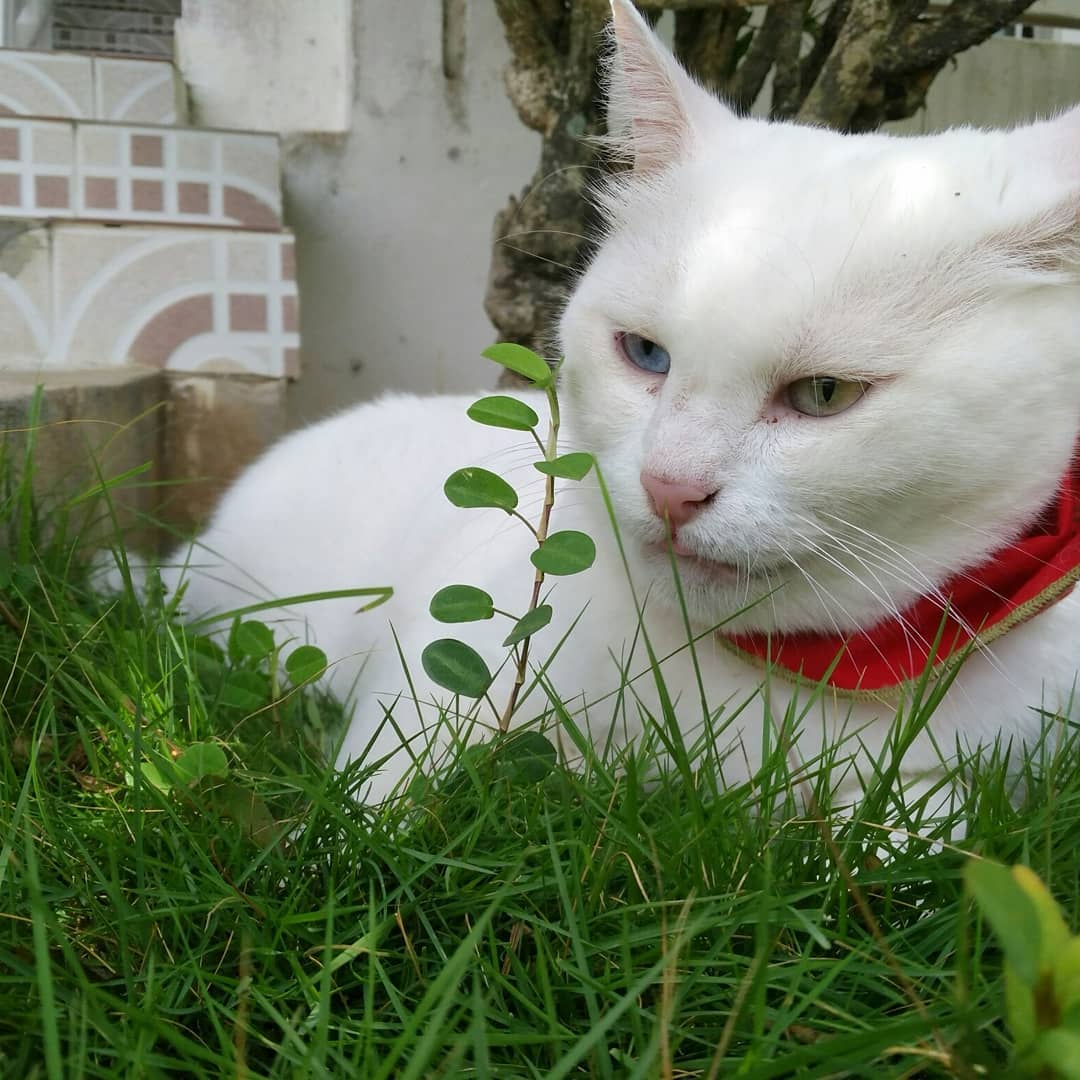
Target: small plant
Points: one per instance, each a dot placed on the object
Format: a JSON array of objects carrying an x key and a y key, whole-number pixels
[
  {"x": 451, "y": 663},
  {"x": 1042, "y": 968}
]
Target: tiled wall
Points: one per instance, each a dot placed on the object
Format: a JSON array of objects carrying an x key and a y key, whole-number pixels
[
  {"x": 192, "y": 300},
  {"x": 112, "y": 172},
  {"x": 90, "y": 88}
]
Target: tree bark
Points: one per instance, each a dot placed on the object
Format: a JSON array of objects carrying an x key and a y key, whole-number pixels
[{"x": 852, "y": 66}]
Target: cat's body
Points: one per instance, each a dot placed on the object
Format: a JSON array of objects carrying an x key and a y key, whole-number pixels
[{"x": 846, "y": 369}]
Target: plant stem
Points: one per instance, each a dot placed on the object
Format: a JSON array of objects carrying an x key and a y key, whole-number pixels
[{"x": 550, "y": 453}]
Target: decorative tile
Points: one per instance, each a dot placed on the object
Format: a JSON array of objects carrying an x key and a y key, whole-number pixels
[
  {"x": 24, "y": 294},
  {"x": 182, "y": 299},
  {"x": 138, "y": 91},
  {"x": 70, "y": 86},
  {"x": 36, "y": 168},
  {"x": 179, "y": 176},
  {"x": 46, "y": 84}
]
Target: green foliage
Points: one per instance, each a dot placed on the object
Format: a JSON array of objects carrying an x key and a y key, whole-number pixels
[
  {"x": 1042, "y": 967},
  {"x": 523, "y": 362},
  {"x": 479, "y": 488},
  {"x": 188, "y": 889},
  {"x": 564, "y": 553},
  {"x": 448, "y": 662},
  {"x": 504, "y": 412},
  {"x": 462, "y": 603},
  {"x": 456, "y": 667}
]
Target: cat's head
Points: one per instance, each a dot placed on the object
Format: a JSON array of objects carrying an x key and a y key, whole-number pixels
[{"x": 848, "y": 366}]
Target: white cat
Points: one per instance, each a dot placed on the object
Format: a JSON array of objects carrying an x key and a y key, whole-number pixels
[{"x": 846, "y": 369}]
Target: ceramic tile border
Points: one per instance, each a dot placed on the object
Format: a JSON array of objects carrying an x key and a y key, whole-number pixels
[
  {"x": 69, "y": 86},
  {"x": 205, "y": 301},
  {"x": 124, "y": 173}
]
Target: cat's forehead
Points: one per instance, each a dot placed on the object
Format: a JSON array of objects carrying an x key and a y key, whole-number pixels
[{"x": 773, "y": 224}]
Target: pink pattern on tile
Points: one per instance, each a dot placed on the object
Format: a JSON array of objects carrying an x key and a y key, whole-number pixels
[
  {"x": 10, "y": 190},
  {"x": 9, "y": 144},
  {"x": 99, "y": 193},
  {"x": 171, "y": 327},
  {"x": 290, "y": 314},
  {"x": 288, "y": 261},
  {"x": 247, "y": 313},
  {"x": 243, "y": 208},
  {"x": 193, "y": 198},
  {"x": 147, "y": 150},
  {"x": 51, "y": 192},
  {"x": 147, "y": 196}
]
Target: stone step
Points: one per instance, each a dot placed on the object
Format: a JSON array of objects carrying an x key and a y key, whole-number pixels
[
  {"x": 112, "y": 420},
  {"x": 92, "y": 171},
  {"x": 79, "y": 86},
  {"x": 194, "y": 434},
  {"x": 177, "y": 299}
]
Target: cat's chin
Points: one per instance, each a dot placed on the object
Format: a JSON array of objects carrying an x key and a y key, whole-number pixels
[{"x": 695, "y": 568}]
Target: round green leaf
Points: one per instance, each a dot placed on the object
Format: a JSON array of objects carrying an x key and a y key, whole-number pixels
[
  {"x": 564, "y": 553},
  {"x": 152, "y": 775},
  {"x": 521, "y": 361},
  {"x": 503, "y": 412},
  {"x": 478, "y": 487},
  {"x": 568, "y": 466},
  {"x": 456, "y": 667},
  {"x": 202, "y": 759},
  {"x": 247, "y": 690},
  {"x": 528, "y": 624},
  {"x": 527, "y": 757},
  {"x": 254, "y": 639},
  {"x": 305, "y": 664},
  {"x": 461, "y": 603}
]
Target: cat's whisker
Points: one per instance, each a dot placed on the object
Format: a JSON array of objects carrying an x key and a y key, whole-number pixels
[{"x": 932, "y": 592}]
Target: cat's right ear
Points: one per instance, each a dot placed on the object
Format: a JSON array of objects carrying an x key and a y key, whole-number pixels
[{"x": 654, "y": 109}]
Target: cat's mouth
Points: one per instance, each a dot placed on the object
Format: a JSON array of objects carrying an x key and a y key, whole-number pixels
[{"x": 693, "y": 562}]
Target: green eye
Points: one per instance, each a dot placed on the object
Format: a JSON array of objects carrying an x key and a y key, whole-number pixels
[{"x": 823, "y": 395}]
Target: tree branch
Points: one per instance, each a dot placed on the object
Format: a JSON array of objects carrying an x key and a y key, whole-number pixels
[
  {"x": 849, "y": 69},
  {"x": 931, "y": 40}
]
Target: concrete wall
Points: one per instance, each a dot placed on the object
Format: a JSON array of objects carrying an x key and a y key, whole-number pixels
[
  {"x": 393, "y": 215},
  {"x": 401, "y": 145}
]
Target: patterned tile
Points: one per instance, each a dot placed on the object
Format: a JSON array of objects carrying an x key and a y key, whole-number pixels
[
  {"x": 37, "y": 175},
  {"x": 138, "y": 91},
  {"x": 179, "y": 176},
  {"x": 67, "y": 85},
  {"x": 46, "y": 84},
  {"x": 182, "y": 299},
  {"x": 24, "y": 295}
]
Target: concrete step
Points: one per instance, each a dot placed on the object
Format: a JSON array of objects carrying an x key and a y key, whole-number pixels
[
  {"x": 114, "y": 418},
  {"x": 177, "y": 299},
  {"x": 92, "y": 171},
  {"x": 195, "y": 432},
  {"x": 80, "y": 86}
]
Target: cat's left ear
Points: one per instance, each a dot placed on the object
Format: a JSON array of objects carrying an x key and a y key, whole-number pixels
[{"x": 655, "y": 110}]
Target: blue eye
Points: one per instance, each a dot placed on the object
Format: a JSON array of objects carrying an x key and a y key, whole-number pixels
[{"x": 644, "y": 354}]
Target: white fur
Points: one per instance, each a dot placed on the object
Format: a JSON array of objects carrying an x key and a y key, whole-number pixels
[{"x": 942, "y": 269}]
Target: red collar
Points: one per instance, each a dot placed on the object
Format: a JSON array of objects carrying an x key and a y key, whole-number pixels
[{"x": 1013, "y": 585}]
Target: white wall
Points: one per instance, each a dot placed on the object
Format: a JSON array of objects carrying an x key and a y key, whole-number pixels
[
  {"x": 393, "y": 219},
  {"x": 393, "y": 213}
]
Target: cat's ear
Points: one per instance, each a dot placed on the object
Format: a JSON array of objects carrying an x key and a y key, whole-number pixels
[{"x": 654, "y": 109}]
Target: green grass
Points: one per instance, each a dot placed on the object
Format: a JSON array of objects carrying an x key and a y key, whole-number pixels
[{"x": 630, "y": 918}]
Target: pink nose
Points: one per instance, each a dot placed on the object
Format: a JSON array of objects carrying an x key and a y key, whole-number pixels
[{"x": 674, "y": 501}]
